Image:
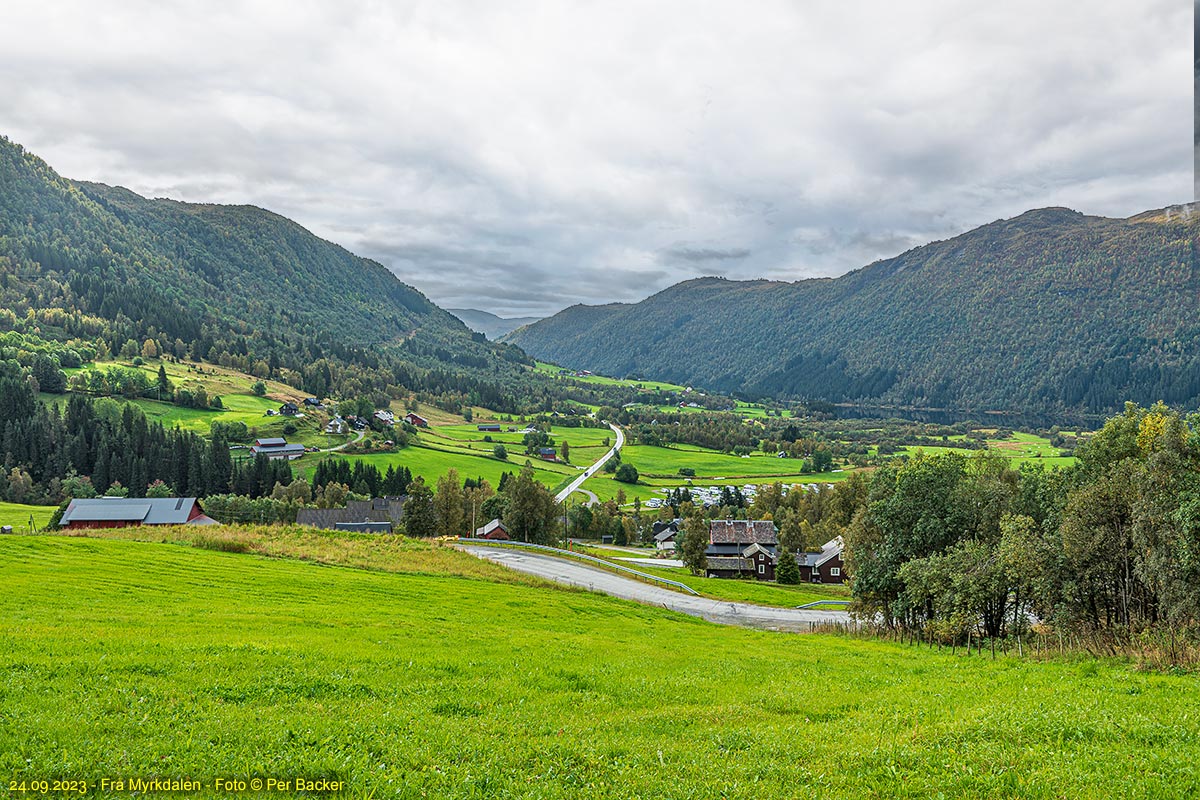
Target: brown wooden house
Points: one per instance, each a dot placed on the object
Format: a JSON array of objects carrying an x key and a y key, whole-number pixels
[{"x": 823, "y": 567}]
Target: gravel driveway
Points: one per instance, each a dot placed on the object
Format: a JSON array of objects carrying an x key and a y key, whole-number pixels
[{"x": 726, "y": 613}]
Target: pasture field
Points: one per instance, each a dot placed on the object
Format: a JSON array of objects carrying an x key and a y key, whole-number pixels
[
  {"x": 431, "y": 463},
  {"x": 1019, "y": 447},
  {"x": 587, "y": 444},
  {"x": 658, "y": 468},
  {"x": 123, "y": 658},
  {"x": 240, "y": 404},
  {"x": 605, "y": 486},
  {"x": 18, "y": 514},
  {"x": 665, "y": 462},
  {"x": 653, "y": 386}
]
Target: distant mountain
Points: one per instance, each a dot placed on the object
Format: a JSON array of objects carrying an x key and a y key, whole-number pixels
[
  {"x": 1050, "y": 310},
  {"x": 490, "y": 325},
  {"x": 232, "y": 284}
]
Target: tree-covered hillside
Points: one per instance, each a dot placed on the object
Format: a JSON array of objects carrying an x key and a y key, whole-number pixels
[
  {"x": 1050, "y": 310},
  {"x": 235, "y": 285}
]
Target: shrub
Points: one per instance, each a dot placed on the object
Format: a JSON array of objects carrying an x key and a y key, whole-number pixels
[{"x": 627, "y": 473}]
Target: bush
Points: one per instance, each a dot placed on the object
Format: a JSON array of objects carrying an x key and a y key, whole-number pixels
[
  {"x": 259, "y": 389},
  {"x": 627, "y": 473},
  {"x": 687, "y": 472},
  {"x": 499, "y": 452},
  {"x": 288, "y": 429}
]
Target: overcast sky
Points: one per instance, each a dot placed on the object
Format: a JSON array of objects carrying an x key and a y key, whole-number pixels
[{"x": 519, "y": 157}]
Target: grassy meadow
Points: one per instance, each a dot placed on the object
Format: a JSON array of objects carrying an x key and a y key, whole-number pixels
[
  {"x": 441, "y": 680},
  {"x": 17, "y": 515}
]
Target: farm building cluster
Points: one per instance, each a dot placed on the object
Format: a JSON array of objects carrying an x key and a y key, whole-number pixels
[{"x": 750, "y": 549}]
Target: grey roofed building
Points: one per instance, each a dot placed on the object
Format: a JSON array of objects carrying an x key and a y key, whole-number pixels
[
  {"x": 729, "y": 537},
  {"x": 112, "y": 511},
  {"x": 743, "y": 532},
  {"x": 271, "y": 442},
  {"x": 831, "y": 549},
  {"x": 364, "y": 527},
  {"x": 495, "y": 529},
  {"x": 288, "y": 451},
  {"x": 378, "y": 510},
  {"x": 727, "y": 564}
]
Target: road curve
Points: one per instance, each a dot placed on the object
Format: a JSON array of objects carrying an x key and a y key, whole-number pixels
[
  {"x": 574, "y": 573},
  {"x": 358, "y": 437},
  {"x": 594, "y": 468}
]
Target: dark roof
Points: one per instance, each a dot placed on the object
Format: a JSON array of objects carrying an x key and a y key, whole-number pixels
[
  {"x": 381, "y": 509},
  {"x": 146, "y": 510},
  {"x": 741, "y": 531},
  {"x": 736, "y": 564},
  {"x": 274, "y": 450},
  {"x": 491, "y": 526},
  {"x": 659, "y": 526},
  {"x": 276, "y": 442},
  {"x": 364, "y": 527},
  {"x": 831, "y": 549},
  {"x": 665, "y": 534},
  {"x": 750, "y": 551}
]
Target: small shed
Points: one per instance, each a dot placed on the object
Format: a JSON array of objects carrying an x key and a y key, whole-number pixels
[{"x": 495, "y": 529}]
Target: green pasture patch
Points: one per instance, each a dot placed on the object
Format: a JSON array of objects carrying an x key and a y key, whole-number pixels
[{"x": 159, "y": 660}]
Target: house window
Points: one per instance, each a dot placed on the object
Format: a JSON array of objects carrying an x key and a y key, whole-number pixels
[
  {"x": 762, "y": 569},
  {"x": 835, "y": 572}
]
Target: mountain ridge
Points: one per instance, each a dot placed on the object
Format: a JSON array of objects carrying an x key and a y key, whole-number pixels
[{"x": 1049, "y": 310}]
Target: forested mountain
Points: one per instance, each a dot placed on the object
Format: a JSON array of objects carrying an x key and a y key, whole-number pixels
[
  {"x": 235, "y": 285},
  {"x": 490, "y": 325},
  {"x": 1047, "y": 311}
]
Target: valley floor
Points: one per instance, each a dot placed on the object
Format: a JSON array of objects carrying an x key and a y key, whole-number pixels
[{"x": 431, "y": 673}]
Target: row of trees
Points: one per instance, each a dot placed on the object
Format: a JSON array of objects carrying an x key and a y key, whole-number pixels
[
  {"x": 107, "y": 442},
  {"x": 527, "y": 508},
  {"x": 952, "y": 545}
]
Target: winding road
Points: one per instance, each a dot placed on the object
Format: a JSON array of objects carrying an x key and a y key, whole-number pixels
[
  {"x": 573, "y": 573},
  {"x": 358, "y": 437},
  {"x": 594, "y": 468}
]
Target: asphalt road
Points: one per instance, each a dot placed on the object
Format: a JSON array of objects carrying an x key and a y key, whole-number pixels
[
  {"x": 594, "y": 468},
  {"x": 574, "y": 573}
]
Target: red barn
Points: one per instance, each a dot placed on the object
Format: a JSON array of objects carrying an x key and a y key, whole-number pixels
[{"x": 124, "y": 512}]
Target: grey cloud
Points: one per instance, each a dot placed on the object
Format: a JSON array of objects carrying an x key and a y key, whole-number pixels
[
  {"x": 496, "y": 158},
  {"x": 703, "y": 254}
]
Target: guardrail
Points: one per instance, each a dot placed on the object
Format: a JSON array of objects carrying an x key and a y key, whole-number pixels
[
  {"x": 573, "y": 554},
  {"x": 825, "y": 603}
]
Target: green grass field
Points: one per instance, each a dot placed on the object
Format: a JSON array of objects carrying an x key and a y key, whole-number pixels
[
  {"x": 142, "y": 659},
  {"x": 659, "y": 470},
  {"x": 18, "y": 514},
  {"x": 656, "y": 386},
  {"x": 432, "y": 463},
  {"x": 1018, "y": 447}
]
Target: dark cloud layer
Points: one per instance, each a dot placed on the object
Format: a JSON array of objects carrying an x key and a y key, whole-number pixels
[{"x": 520, "y": 157}]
